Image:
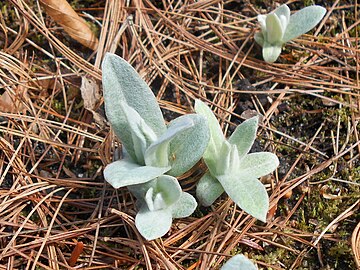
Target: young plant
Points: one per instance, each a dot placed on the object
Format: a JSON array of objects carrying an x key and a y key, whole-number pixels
[
  {"x": 239, "y": 262},
  {"x": 159, "y": 201},
  {"x": 232, "y": 169},
  {"x": 278, "y": 27},
  {"x": 150, "y": 147}
]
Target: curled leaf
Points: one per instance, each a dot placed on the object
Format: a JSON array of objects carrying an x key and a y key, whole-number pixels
[
  {"x": 158, "y": 153},
  {"x": 62, "y": 13},
  {"x": 187, "y": 148}
]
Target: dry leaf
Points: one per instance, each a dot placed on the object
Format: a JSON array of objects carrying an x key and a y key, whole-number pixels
[
  {"x": 10, "y": 103},
  {"x": 90, "y": 92},
  {"x": 62, "y": 13}
]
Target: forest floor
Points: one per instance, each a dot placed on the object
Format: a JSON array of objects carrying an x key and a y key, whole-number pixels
[{"x": 56, "y": 210}]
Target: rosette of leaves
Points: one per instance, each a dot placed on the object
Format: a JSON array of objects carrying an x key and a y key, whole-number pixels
[
  {"x": 151, "y": 148},
  {"x": 232, "y": 169},
  {"x": 159, "y": 201},
  {"x": 278, "y": 27},
  {"x": 239, "y": 262}
]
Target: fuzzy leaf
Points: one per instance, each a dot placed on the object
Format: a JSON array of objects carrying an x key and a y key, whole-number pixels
[
  {"x": 244, "y": 135},
  {"x": 259, "y": 38},
  {"x": 141, "y": 134},
  {"x": 303, "y": 21},
  {"x": 208, "y": 189},
  {"x": 153, "y": 224},
  {"x": 271, "y": 52},
  {"x": 187, "y": 148},
  {"x": 239, "y": 262},
  {"x": 184, "y": 207},
  {"x": 274, "y": 29},
  {"x": 283, "y": 12},
  {"x": 158, "y": 152},
  {"x": 228, "y": 162},
  {"x": 259, "y": 164},
  {"x": 247, "y": 192},
  {"x": 262, "y": 21},
  {"x": 124, "y": 172},
  {"x": 170, "y": 189},
  {"x": 122, "y": 83},
  {"x": 216, "y": 135}
]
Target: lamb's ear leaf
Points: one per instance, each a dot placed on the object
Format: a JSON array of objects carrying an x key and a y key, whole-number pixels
[
  {"x": 153, "y": 224},
  {"x": 121, "y": 82},
  {"x": 283, "y": 10},
  {"x": 184, "y": 207},
  {"x": 247, "y": 192},
  {"x": 271, "y": 52},
  {"x": 303, "y": 21},
  {"x": 274, "y": 29},
  {"x": 259, "y": 164},
  {"x": 244, "y": 135},
  {"x": 208, "y": 189},
  {"x": 141, "y": 134},
  {"x": 187, "y": 148},
  {"x": 123, "y": 173},
  {"x": 259, "y": 38},
  {"x": 170, "y": 189},
  {"x": 239, "y": 262},
  {"x": 158, "y": 152},
  {"x": 216, "y": 135}
]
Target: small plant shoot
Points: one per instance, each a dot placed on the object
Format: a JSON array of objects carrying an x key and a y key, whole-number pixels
[
  {"x": 232, "y": 169},
  {"x": 151, "y": 149},
  {"x": 279, "y": 27},
  {"x": 239, "y": 262}
]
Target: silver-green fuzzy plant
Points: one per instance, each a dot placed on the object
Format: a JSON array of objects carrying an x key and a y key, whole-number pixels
[
  {"x": 278, "y": 27},
  {"x": 154, "y": 153},
  {"x": 239, "y": 262},
  {"x": 232, "y": 169}
]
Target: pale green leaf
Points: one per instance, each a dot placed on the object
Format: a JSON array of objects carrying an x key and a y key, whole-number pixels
[
  {"x": 303, "y": 21},
  {"x": 259, "y": 38},
  {"x": 247, "y": 192},
  {"x": 158, "y": 152},
  {"x": 216, "y": 135},
  {"x": 271, "y": 52},
  {"x": 283, "y": 12},
  {"x": 219, "y": 164},
  {"x": 208, "y": 189},
  {"x": 259, "y": 164},
  {"x": 239, "y": 262},
  {"x": 187, "y": 148},
  {"x": 274, "y": 29},
  {"x": 244, "y": 135},
  {"x": 141, "y": 134},
  {"x": 124, "y": 172},
  {"x": 122, "y": 83},
  {"x": 170, "y": 189},
  {"x": 153, "y": 224},
  {"x": 184, "y": 207}
]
